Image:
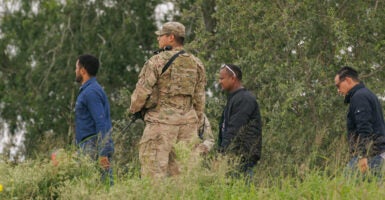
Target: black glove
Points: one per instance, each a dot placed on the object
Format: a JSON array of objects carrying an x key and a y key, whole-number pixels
[{"x": 137, "y": 115}]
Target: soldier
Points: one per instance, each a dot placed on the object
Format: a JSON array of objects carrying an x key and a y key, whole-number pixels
[{"x": 170, "y": 92}]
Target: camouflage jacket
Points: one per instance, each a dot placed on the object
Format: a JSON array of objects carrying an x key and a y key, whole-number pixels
[{"x": 175, "y": 97}]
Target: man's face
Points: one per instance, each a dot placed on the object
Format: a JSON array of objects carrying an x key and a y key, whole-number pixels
[
  {"x": 163, "y": 40},
  {"x": 342, "y": 85},
  {"x": 226, "y": 80},
  {"x": 79, "y": 77}
]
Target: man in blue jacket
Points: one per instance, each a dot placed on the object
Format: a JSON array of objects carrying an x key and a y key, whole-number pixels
[
  {"x": 240, "y": 131},
  {"x": 365, "y": 122},
  {"x": 92, "y": 116}
]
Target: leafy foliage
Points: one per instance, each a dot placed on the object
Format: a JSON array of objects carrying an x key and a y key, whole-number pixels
[
  {"x": 289, "y": 52},
  {"x": 41, "y": 49}
]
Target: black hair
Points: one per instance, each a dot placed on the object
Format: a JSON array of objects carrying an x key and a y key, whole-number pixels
[
  {"x": 90, "y": 63},
  {"x": 179, "y": 39},
  {"x": 347, "y": 71},
  {"x": 235, "y": 69}
]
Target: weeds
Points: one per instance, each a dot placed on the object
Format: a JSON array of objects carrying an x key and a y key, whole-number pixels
[{"x": 77, "y": 178}]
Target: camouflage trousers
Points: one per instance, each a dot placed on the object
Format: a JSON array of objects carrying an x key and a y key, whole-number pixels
[{"x": 156, "y": 148}]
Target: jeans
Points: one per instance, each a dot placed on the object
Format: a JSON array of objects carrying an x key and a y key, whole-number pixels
[
  {"x": 375, "y": 164},
  {"x": 91, "y": 148}
]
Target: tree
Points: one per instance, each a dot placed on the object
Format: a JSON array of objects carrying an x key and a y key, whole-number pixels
[
  {"x": 40, "y": 51},
  {"x": 289, "y": 52}
]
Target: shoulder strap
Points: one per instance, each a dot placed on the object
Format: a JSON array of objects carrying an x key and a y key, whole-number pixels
[{"x": 167, "y": 65}]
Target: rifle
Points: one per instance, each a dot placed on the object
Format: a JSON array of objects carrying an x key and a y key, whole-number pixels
[
  {"x": 166, "y": 48},
  {"x": 133, "y": 118}
]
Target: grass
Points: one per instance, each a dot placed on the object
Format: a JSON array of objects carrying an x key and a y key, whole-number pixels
[{"x": 77, "y": 178}]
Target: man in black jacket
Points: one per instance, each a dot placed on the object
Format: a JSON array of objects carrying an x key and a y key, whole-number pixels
[
  {"x": 240, "y": 130},
  {"x": 365, "y": 122}
]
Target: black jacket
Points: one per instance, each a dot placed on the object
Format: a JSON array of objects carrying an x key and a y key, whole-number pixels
[
  {"x": 240, "y": 128},
  {"x": 365, "y": 122}
]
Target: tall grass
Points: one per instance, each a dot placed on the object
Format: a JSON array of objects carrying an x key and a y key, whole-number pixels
[
  {"x": 78, "y": 178},
  {"x": 299, "y": 161}
]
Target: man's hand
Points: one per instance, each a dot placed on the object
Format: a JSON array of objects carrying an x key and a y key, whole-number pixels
[
  {"x": 104, "y": 162},
  {"x": 202, "y": 149},
  {"x": 363, "y": 165},
  {"x": 205, "y": 147}
]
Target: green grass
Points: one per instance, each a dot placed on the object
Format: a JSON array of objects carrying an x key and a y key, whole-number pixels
[{"x": 76, "y": 178}]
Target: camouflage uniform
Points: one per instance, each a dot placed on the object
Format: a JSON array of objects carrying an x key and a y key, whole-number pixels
[{"x": 173, "y": 103}]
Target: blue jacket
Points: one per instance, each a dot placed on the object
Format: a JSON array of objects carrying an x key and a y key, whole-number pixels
[
  {"x": 92, "y": 115},
  {"x": 365, "y": 122}
]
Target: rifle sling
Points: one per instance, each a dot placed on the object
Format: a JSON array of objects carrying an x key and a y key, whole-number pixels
[{"x": 167, "y": 65}]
